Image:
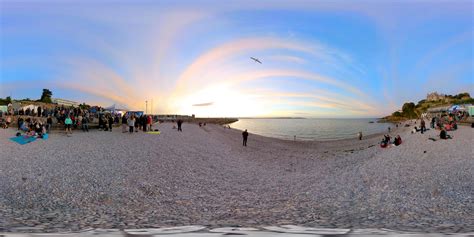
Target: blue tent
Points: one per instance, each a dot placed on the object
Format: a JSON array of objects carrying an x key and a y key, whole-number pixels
[{"x": 456, "y": 108}]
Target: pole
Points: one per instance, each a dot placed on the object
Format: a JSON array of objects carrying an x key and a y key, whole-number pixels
[
  {"x": 151, "y": 106},
  {"x": 146, "y": 106}
]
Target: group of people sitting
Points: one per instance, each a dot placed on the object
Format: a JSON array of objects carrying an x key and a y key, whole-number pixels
[
  {"x": 386, "y": 141},
  {"x": 32, "y": 128}
]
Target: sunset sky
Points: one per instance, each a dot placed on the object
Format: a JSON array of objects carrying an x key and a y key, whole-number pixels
[{"x": 319, "y": 58}]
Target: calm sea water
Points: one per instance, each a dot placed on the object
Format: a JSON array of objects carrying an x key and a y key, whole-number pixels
[{"x": 311, "y": 129}]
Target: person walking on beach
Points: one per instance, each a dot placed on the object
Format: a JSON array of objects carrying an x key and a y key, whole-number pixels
[
  {"x": 245, "y": 135},
  {"x": 423, "y": 126},
  {"x": 131, "y": 123},
  {"x": 180, "y": 122},
  {"x": 144, "y": 123},
  {"x": 68, "y": 124}
]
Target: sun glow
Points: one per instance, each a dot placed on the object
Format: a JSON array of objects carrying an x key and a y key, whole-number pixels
[{"x": 221, "y": 100}]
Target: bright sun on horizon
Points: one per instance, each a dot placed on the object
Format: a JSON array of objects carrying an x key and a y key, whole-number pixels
[{"x": 238, "y": 58}]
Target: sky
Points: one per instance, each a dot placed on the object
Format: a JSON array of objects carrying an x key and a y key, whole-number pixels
[{"x": 336, "y": 59}]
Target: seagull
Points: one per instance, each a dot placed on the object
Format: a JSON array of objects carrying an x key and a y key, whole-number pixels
[{"x": 256, "y": 60}]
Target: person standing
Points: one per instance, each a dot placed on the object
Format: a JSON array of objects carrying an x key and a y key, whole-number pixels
[
  {"x": 360, "y": 135},
  {"x": 131, "y": 123},
  {"x": 423, "y": 126},
  {"x": 85, "y": 123},
  {"x": 111, "y": 122},
  {"x": 20, "y": 122},
  {"x": 68, "y": 124},
  {"x": 144, "y": 123},
  {"x": 39, "y": 111},
  {"x": 180, "y": 122},
  {"x": 101, "y": 122},
  {"x": 136, "y": 120},
  {"x": 124, "y": 123},
  {"x": 79, "y": 121},
  {"x": 8, "y": 121},
  {"x": 245, "y": 135},
  {"x": 149, "y": 122},
  {"x": 49, "y": 124}
]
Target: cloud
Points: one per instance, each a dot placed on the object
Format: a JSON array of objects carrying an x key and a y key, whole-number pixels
[
  {"x": 295, "y": 74},
  {"x": 231, "y": 49},
  {"x": 204, "y": 104},
  {"x": 316, "y": 98},
  {"x": 288, "y": 58}
]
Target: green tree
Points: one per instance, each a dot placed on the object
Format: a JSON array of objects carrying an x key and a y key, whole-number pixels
[
  {"x": 409, "y": 110},
  {"x": 5, "y": 101},
  {"x": 84, "y": 106},
  {"x": 420, "y": 103},
  {"x": 46, "y": 96},
  {"x": 464, "y": 95},
  {"x": 397, "y": 114}
]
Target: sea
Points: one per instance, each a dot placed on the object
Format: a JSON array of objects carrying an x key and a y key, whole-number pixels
[{"x": 318, "y": 129}]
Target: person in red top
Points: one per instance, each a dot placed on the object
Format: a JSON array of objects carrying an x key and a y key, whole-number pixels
[{"x": 149, "y": 122}]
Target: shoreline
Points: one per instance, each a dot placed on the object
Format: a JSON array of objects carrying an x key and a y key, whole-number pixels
[{"x": 370, "y": 136}]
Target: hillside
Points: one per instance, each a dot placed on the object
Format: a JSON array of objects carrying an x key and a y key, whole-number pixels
[{"x": 410, "y": 110}]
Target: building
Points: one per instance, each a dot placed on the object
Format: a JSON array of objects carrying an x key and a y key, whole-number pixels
[
  {"x": 65, "y": 102},
  {"x": 435, "y": 96}
]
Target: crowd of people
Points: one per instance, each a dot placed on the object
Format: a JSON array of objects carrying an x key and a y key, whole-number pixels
[
  {"x": 443, "y": 122},
  {"x": 135, "y": 123},
  {"x": 72, "y": 118}
]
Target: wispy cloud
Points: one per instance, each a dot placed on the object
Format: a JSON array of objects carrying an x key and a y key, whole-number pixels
[
  {"x": 204, "y": 104},
  {"x": 288, "y": 58}
]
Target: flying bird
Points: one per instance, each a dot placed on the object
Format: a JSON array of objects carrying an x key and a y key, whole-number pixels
[{"x": 256, "y": 60}]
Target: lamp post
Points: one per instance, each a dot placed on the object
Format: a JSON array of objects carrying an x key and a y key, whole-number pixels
[{"x": 146, "y": 106}]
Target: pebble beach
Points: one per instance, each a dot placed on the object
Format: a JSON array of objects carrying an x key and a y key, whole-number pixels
[{"x": 203, "y": 176}]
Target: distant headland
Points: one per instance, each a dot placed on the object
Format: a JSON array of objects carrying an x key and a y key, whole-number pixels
[{"x": 434, "y": 102}]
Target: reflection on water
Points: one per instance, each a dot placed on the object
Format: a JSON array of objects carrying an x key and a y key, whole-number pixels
[{"x": 311, "y": 129}]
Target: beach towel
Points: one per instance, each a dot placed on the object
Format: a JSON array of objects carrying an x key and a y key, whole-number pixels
[
  {"x": 22, "y": 140},
  {"x": 157, "y": 132}
]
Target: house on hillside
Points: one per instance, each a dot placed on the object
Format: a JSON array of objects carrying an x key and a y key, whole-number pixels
[{"x": 435, "y": 96}]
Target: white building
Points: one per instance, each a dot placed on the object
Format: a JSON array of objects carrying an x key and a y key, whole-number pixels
[{"x": 65, "y": 102}]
